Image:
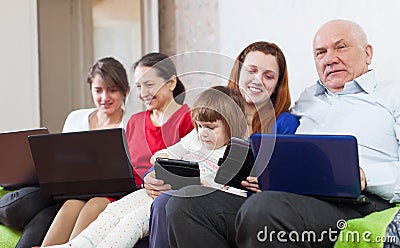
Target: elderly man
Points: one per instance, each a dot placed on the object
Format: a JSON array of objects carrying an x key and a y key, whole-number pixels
[{"x": 347, "y": 99}]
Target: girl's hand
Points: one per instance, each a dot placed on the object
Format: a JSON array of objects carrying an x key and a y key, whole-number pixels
[
  {"x": 157, "y": 155},
  {"x": 154, "y": 187},
  {"x": 251, "y": 183}
]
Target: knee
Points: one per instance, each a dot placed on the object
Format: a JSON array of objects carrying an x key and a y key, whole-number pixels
[
  {"x": 73, "y": 204},
  {"x": 97, "y": 204},
  {"x": 159, "y": 204},
  {"x": 175, "y": 207},
  {"x": 71, "y": 208},
  {"x": 267, "y": 205}
]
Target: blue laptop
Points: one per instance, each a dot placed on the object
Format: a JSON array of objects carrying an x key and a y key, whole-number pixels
[{"x": 323, "y": 166}]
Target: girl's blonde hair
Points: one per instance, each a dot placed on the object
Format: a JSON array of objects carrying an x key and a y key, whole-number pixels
[{"x": 224, "y": 104}]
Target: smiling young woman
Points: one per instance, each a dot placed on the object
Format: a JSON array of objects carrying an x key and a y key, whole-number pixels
[{"x": 109, "y": 85}]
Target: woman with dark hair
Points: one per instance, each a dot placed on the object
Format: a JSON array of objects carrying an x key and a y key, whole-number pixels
[
  {"x": 163, "y": 124},
  {"x": 109, "y": 85},
  {"x": 165, "y": 69},
  {"x": 27, "y": 208},
  {"x": 165, "y": 121}
]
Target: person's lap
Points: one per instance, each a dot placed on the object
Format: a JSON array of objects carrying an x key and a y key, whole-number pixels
[
  {"x": 224, "y": 220},
  {"x": 158, "y": 237},
  {"x": 262, "y": 217},
  {"x": 208, "y": 216}
]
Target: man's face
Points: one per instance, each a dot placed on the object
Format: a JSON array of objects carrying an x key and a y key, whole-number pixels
[{"x": 340, "y": 55}]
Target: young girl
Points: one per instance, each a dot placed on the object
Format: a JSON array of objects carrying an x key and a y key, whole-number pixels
[
  {"x": 217, "y": 117},
  {"x": 164, "y": 122}
]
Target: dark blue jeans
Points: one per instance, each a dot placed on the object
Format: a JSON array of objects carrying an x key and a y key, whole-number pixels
[{"x": 158, "y": 222}]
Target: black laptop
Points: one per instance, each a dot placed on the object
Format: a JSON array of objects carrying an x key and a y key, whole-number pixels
[
  {"x": 84, "y": 164},
  {"x": 16, "y": 164},
  {"x": 323, "y": 166}
]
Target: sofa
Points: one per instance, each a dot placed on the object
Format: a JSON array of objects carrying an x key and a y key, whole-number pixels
[
  {"x": 376, "y": 221},
  {"x": 8, "y": 236}
]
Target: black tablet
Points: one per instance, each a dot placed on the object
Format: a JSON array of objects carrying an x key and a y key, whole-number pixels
[
  {"x": 236, "y": 163},
  {"x": 178, "y": 173}
]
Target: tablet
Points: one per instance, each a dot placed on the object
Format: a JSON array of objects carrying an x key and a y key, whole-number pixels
[
  {"x": 236, "y": 163},
  {"x": 177, "y": 173}
]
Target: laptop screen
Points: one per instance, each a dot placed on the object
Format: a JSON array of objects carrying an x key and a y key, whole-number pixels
[
  {"x": 317, "y": 165},
  {"x": 83, "y": 163},
  {"x": 16, "y": 163}
]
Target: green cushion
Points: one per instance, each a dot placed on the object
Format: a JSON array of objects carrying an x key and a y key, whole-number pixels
[
  {"x": 367, "y": 231},
  {"x": 2, "y": 192},
  {"x": 8, "y": 236}
]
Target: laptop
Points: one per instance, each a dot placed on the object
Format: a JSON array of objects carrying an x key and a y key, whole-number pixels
[
  {"x": 82, "y": 165},
  {"x": 16, "y": 164},
  {"x": 322, "y": 166}
]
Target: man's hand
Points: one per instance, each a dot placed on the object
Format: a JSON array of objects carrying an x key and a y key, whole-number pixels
[
  {"x": 363, "y": 180},
  {"x": 251, "y": 183},
  {"x": 154, "y": 187}
]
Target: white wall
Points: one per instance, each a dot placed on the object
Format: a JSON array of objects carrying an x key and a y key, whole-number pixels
[
  {"x": 19, "y": 87},
  {"x": 117, "y": 33},
  {"x": 291, "y": 24}
]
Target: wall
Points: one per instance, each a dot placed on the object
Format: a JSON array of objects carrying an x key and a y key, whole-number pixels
[
  {"x": 65, "y": 54},
  {"x": 116, "y": 30},
  {"x": 185, "y": 26},
  {"x": 117, "y": 33},
  {"x": 189, "y": 35},
  {"x": 292, "y": 24},
  {"x": 19, "y": 84},
  {"x": 289, "y": 23},
  {"x": 227, "y": 26},
  {"x": 63, "y": 85}
]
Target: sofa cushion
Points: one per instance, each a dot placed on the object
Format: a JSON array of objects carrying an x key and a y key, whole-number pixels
[{"x": 8, "y": 236}]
